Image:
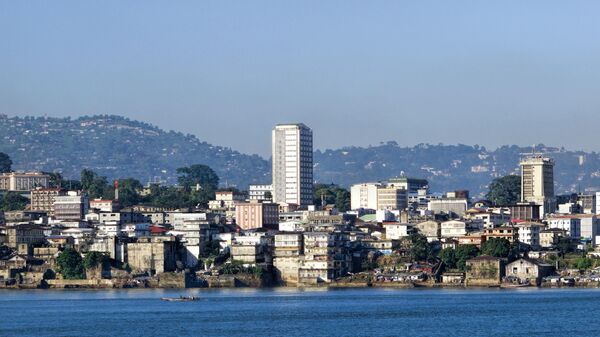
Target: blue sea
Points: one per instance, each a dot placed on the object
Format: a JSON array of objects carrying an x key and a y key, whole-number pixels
[{"x": 293, "y": 312}]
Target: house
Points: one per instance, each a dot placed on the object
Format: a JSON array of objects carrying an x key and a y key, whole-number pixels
[
  {"x": 484, "y": 271},
  {"x": 395, "y": 231},
  {"x": 528, "y": 270},
  {"x": 453, "y": 228}
]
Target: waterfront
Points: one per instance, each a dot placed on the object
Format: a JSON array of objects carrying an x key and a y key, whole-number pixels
[{"x": 293, "y": 312}]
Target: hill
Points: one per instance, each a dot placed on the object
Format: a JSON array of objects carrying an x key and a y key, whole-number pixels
[{"x": 119, "y": 147}]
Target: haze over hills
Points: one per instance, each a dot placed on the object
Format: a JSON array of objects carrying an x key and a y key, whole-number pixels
[{"x": 119, "y": 147}]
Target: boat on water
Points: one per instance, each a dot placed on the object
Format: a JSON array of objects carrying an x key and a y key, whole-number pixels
[{"x": 181, "y": 299}]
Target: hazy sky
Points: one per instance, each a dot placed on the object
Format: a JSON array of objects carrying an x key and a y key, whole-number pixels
[{"x": 492, "y": 73}]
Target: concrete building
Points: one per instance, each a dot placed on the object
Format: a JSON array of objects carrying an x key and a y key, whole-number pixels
[
  {"x": 292, "y": 164},
  {"x": 529, "y": 233},
  {"x": 411, "y": 185},
  {"x": 260, "y": 192},
  {"x": 395, "y": 231},
  {"x": 484, "y": 271},
  {"x": 251, "y": 215},
  {"x": 504, "y": 232},
  {"x": 431, "y": 229},
  {"x": 71, "y": 207},
  {"x": 103, "y": 205},
  {"x": 453, "y": 228},
  {"x": 549, "y": 237},
  {"x": 525, "y": 211},
  {"x": 23, "y": 181},
  {"x": 288, "y": 254},
  {"x": 325, "y": 258},
  {"x": 42, "y": 199},
  {"x": 528, "y": 271},
  {"x": 364, "y": 195},
  {"x": 225, "y": 200},
  {"x": 391, "y": 198},
  {"x": 537, "y": 182},
  {"x": 452, "y": 206},
  {"x": 571, "y": 225},
  {"x": 24, "y": 234},
  {"x": 155, "y": 254}
]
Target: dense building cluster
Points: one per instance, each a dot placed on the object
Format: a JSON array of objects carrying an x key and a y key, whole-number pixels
[{"x": 396, "y": 232}]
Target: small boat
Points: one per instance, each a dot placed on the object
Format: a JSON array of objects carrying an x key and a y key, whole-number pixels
[{"x": 181, "y": 299}]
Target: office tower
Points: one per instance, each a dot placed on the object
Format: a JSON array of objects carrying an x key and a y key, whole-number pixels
[
  {"x": 292, "y": 164},
  {"x": 537, "y": 182}
]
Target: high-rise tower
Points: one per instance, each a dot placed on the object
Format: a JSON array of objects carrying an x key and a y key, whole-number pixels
[
  {"x": 292, "y": 164},
  {"x": 537, "y": 182}
]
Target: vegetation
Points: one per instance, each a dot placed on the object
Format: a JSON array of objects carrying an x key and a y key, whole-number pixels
[
  {"x": 464, "y": 253},
  {"x": 420, "y": 249},
  {"x": 5, "y": 163},
  {"x": 94, "y": 259},
  {"x": 564, "y": 246},
  {"x": 13, "y": 201},
  {"x": 448, "y": 257},
  {"x": 505, "y": 190},
  {"x": 70, "y": 264},
  {"x": 333, "y": 195},
  {"x": 237, "y": 267},
  {"x": 497, "y": 247}
]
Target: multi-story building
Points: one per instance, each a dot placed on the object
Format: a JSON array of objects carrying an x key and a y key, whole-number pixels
[
  {"x": 288, "y": 253},
  {"x": 260, "y": 192},
  {"x": 529, "y": 233},
  {"x": 71, "y": 207},
  {"x": 364, "y": 195},
  {"x": 549, "y": 237},
  {"x": 537, "y": 182},
  {"x": 453, "y": 228},
  {"x": 392, "y": 198},
  {"x": 571, "y": 225},
  {"x": 23, "y": 181},
  {"x": 325, "y": 258},
  {"x": 155, "y": 254},
  {"x": 395, "y": 230},
  {"x": 104, "y": 205},
  {"x": 251, "y": 215},
  {"x": 292, "y": 164},
  {"x": 508, "y": 233},
  {"x": 452, "y": 206},
  {"x": 411, "y": 185},
  {"x": 196, "y": 229},
  {"x": 42, "y": 199},
  {"x": 225, "y": 200},
  {"x": 24, "y": 234}
]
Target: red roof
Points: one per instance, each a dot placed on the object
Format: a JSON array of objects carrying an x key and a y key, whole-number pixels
[{"x": 157, "y": 230}]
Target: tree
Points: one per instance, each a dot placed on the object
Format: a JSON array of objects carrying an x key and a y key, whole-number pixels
[
  {"x": 198, "y": 174},
  {"x": 331, "y": 194},
  {"x": 505, "y": 190},
  {"x": 584, "y": 263},
  {"x": 448, "y": 257},
  {"x": 94, "y": 259},
  {"x": 129, "y": 192},
  {"x": 13, "y": 201},
  {"x": 96, "y": 186},
  {"x": 5, "y": 163},
  {"x": 420, "y": 249},
  {"x": 464, "y": 253},
  {"x": 564, "y": 245},
  {"x": 70, "y": 264},
  {"x": 497, "y": 247}
]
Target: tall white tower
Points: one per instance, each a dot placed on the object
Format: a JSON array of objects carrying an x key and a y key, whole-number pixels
[
  {"x": 537, "y": 182},
  {"x": 292, "y": 164}
]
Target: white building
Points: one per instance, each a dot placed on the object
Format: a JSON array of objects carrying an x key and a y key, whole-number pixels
[
  {"x": 292, "y": 164},
  {"x": 537, "y": 182},
  {"x": 259, "y": 192},
  {"x": 457, "y": 206},
  {"x": 395, "y": 231},
  {"x": 529, "y": 233},
  {"x": 364, "y": 195},
  {"x": 453, "y": 228},
  {"x": 570, "y": 224}
]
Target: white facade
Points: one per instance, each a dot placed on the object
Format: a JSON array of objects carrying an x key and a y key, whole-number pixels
[
  {"x": 364, "y": 196},
  {"x": 537, "y": 182},
  {"x": 453, "y": 228},
  {"x": 395, "y": 231},
  {"x": 569, "y": 224},
  {"x": 292, "y": 164},
  {"x": 529, "y": 233},
  {"x": 258, "y": 192}
]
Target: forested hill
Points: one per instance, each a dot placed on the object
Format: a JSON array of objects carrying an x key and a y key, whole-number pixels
[
  {"x": 450, "y": 167},
  {"x": 118, "y": 148}
]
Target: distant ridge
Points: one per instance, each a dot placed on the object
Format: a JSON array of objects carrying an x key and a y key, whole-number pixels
[{"x": 119, "y": 147}]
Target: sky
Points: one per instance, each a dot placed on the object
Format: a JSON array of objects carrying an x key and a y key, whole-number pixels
[{"x": 357, "y": 72}]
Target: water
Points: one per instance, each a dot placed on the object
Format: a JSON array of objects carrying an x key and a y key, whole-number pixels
[{"x": 292, "y": 312}]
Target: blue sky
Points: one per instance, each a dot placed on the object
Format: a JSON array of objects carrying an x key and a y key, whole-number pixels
[{"x": 357, "y": 72}]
